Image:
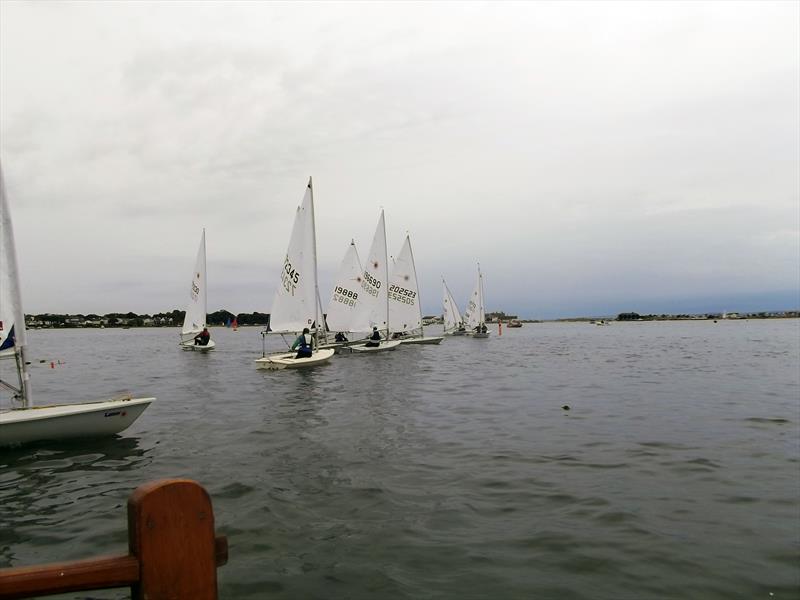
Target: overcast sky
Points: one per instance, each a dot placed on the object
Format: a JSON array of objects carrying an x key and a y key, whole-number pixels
[{"x": 594, "y": 157}]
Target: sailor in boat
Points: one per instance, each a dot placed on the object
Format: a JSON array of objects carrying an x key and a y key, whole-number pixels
[
  {"x": 399, "y": 335},
  {"x": 374, "y": 339},
  {"x": 303, "y": 344},
  {"x": 340, "y": 337},
  {"x": 202, "y": 338}
]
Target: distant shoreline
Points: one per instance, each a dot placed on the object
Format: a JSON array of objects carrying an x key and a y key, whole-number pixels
[{"x": 223, "y": 318}]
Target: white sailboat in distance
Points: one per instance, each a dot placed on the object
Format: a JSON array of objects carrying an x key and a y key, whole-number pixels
[
  {"x": 25, "y": 422},
  {"x": 475, "y": 315},
  {"x": 405, "y": 306},
  {"x": 453, "y": 322},
  {"x": 197, "y": 308},
  {"x": 296, "y": 303}
]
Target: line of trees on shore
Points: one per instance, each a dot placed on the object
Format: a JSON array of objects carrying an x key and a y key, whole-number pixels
[{"x": 130, "y": 319}]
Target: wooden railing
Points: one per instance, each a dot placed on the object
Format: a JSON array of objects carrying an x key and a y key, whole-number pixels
[{"x": 173, "y": 552}]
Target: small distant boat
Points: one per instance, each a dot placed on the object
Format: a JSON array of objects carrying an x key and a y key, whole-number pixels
[
  {"x": 235, "y": 324},
  {"x": 601, "y": 323},
  {"x": 514, "y": 323},
  {"x": 475, "y": 315},
  {"x": 197, "y": 308},
  {"x": 29, "y": 423},
  {"x": 453, "y": 323}
]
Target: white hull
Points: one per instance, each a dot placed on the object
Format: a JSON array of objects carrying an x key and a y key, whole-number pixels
[
  {"x": 383, "y": 347},
  {"x": 337, "y": 345},
  {"x": 287, "y": 360},
  {"x": 190, "y": 345},
  {"x": 479, "y": 335},
  {"x": 70, "y": 420},
  {"x": 423, "y": 340},
  {"x": 455, "y": 333}
]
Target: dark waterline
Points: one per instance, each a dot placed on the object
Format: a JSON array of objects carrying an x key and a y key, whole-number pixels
[{"x": 443, "y": 472}]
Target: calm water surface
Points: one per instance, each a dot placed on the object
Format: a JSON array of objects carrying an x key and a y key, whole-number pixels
[{"x": 443, "y": 472}]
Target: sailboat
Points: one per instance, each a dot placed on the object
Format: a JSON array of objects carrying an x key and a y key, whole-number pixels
[
  {"x": 405, "y": 309},
  {"x": 475, "y": 315},
  {"x": 453, "y": 323},
  {"x": 344, "y": 298},
  {"x": 235, "y": 324},
  {"x": 196, "y": 310},
  {"x": 372, "y": 309},
  {"x": 296, "y": 302},
  {"x": 26, "y": 422}
]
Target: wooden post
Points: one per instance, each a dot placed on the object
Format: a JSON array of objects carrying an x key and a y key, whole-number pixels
[
  {"x": 171, "y": 532},
  {"x": 173, "y": 552}
]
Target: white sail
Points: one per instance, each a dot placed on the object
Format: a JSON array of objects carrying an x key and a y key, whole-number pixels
[
  {"x": 475, "y": 313},
  {"x": 405, "y": 312},
  {"x": 344, "y": 299},
  {"x": 372, "y": 309},
  {"x": 197, "y": 307},
  {"x": 452, "y": 316},
  {"x": 12, "y": 318},
  {"x": 294, "y": 306}
]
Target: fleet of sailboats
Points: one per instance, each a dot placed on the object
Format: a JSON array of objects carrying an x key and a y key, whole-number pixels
[
  {"x": 26, "y": 422},
  {"x": 378, "y": 298}
]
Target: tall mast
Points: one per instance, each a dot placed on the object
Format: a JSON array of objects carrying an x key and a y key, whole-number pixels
[
  {"x": 205, "y": 282},
  {"x": 314, "y": 251},
  {"x": 419, "y": 300},
  {"x": 8, "y": 258},
  {"x": 481, "y": 309},
  {"x": 386, "y": 269}
]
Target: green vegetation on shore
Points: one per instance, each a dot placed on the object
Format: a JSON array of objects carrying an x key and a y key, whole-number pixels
[{"x": 130, "y": 319}]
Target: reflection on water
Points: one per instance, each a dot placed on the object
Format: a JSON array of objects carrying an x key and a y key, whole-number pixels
[
  {"x": 447, "y": 471},
  {"x": 47, "y": 488}
]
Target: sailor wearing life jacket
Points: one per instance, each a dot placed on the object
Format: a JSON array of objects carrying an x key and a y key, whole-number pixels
[{"x": 303, "y": 344}]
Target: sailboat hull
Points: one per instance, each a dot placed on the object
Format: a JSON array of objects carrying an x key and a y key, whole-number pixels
[
  {"x": 478, "y": 335},
  {"x": 423, "y": 340},
  {"x": 190, "y": 345},
  {"x": 287, "y": 360},
  {"x": 91, "y": 419},
  {"x": 383, "y": 347}
]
